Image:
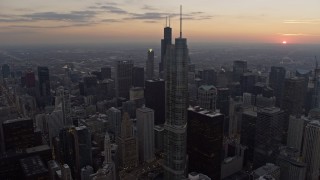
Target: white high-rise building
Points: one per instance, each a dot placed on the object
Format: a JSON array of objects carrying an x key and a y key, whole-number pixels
[
  {"x": 311, "y": 150},
  {"x": 145, "y": 126}
]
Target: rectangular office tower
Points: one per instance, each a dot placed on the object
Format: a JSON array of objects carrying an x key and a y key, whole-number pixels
[
  {"x": 175, "y": 135},
  {"x": 124, "y": 70},
  {"x": 268, "y": 136},
  {"x": 239, "y": 67},
  {"x": 311, "y": 149},
  {"x": 276, "y": 81},
  {"x": 167, "y": 40},
  {"x": 154, "y": 94},
  {"x": 150, "y": 65},
  {"x": 145, "y": 128},
  {"x": 293, "y": 98},
  {"x": 205, "y": 136},
  {"x": 138, "y": 77},
  {"x": 44, "y": 81},
  {"x": 18, "y": 134}
]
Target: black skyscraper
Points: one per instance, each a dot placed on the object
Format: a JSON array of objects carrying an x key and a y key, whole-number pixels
[
  {"x": 204, "y": 142},
  {"x": 5, "y": 70},
  {"x": 123, "y": 78},
  {"x": 209, "y": 77},
  {"x": 239, "y": 67},
  {"x": 167, "y": 40},
  {"x": 293, "y": 96},
  {"x": 155, "y": 99},
  {"x": 138, "y": 76},
  {"x": 106, "y": 72},
  {"x": 276, "y": 82},
  {"x": 44, "y": 81},
  {"x": 247, "y": 82}
]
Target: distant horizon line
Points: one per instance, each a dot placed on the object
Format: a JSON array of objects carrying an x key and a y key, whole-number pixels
[{"x": 134, "y": 43}]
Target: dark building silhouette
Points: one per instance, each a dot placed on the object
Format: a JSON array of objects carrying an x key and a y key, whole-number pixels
[
  {"x": 205, "y": 139},
  {"x": 106, "y": 72},
  {"x": 18, "y": 134},
  {"x": 30, "y": 79},
  {"x": 10, "y": 167},
  {"x": 269, "y": 135},
  {"x": 150, "y": 65},
  {"x": 75, "y": 148},
  {"x": 44, "y": 81},
  {"x": 248, "y": 129},
  {"x": 239, "y": 67},
  {"x": 155, "y": 99},
  {"x": 123, "y": 78},
  {"x": 315, "y": 103},
  {"x": 175, "y": 128},
  {"x": 138, "y": 76},
  {"x": 34, "y": 168},
  {"x": 106, "y": 89},
  {"x": 97, "y": 74},
  {"x": 167, "y": 40},
  {"x": 247, "y": 82},
  {"x": 5, "y": 70},
  {"x": 209, "y": 77},
  {"x": 223, "y": 104},
  {"x": 90, "y": 85},
  {"x": 263, "y": 89},
  {"x": 293, "y": 99},
  {"x": 276, "y": 82}
]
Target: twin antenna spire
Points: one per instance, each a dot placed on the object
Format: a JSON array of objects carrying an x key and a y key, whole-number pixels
[
  {"x": 180, "y": 21},
  {"x": 168, "y": 17}
]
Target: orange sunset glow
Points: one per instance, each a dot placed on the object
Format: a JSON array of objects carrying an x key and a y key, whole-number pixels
[{"x": 141, "y": 21}]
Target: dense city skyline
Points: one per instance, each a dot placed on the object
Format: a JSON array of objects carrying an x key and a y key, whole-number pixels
[{"x": 49, "y": 22}]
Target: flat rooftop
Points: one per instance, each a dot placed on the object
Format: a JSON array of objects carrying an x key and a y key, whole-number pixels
[
  {"x": 32, "y": 166},
  {"x": 16, "y": 120},
  {"x": 203, "y": 111}
]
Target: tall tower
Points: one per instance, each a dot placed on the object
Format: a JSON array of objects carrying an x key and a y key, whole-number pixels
[
  {"x": 124, "y": 70},
  {"x": 145, "y": 125},
  {"x": 276, "y": 81},
  {"x": 128, "y": 144},
  {"x": 44, "y": 81},
  {"x": 63, "y": 100},
  {"x": 268, "y": 135},
  {"x": 167, "y": 40},
  {"x": 176, "y": 76},
  {"x": 316, "y": 91},
  {"x": 311, "y": 148},
  {"x": 293, "y": 97},
  {"x": 150, "y": 65},
  {"x": 239, "y": 67},
  {"x": 107, "y": 149}
]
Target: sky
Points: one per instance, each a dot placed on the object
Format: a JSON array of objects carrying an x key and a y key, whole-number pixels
[{"x": 138, "y": 21}]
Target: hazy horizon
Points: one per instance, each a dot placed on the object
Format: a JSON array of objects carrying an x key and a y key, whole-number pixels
[{"x": 97, "y": 21}]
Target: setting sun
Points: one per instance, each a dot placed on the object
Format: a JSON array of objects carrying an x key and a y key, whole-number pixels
[{"x": 284, "y": 42}]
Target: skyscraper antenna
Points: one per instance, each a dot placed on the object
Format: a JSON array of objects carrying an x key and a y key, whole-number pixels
[
  {"x": 315, "y": 58},
  {"x": 169, "y": 21},
  {"x": 166, "y": 21},
  {"x": 180, "y": 21}
]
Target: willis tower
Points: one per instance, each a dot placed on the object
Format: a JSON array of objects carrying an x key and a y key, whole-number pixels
[
  {"x": 167, "y": 40},
  {"x": 176, "y": 73}
]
